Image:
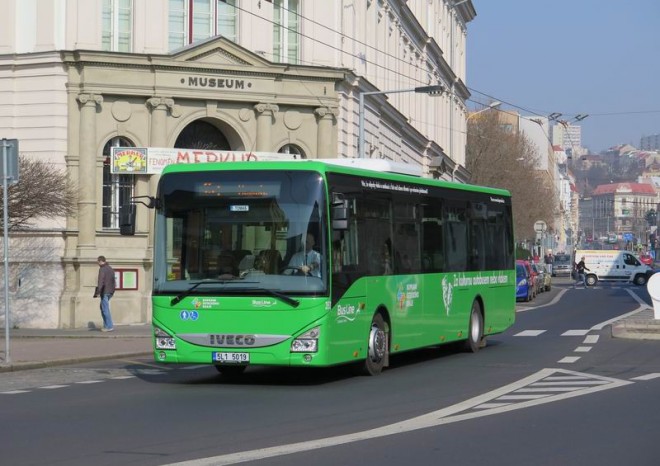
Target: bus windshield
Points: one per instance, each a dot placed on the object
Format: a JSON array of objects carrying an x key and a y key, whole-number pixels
[{"x": 241, "y": 232}]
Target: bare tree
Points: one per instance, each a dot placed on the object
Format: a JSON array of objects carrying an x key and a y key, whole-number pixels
[
  {"x": 503, "y": 159},
  {"x": 42, "y": 192}
]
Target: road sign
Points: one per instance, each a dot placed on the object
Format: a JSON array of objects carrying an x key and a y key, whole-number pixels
[
  {"x": 10, "y": 152},
  {"x": 540, "y": 226}
]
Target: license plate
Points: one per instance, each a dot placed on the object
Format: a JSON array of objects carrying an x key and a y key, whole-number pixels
[{"x": 231, "y": 358}]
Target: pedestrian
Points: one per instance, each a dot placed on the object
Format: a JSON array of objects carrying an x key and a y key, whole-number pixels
[
  {"x": 548, "y": 262},
  {"x": 105, "y": 288},
  {"x": 580, "y": 267}
]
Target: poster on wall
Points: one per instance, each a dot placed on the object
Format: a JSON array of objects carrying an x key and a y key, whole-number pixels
[{"x": 152, "y": 160}]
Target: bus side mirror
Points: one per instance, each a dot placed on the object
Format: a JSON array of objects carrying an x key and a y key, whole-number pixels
[
  {"x": 339, "y": 213},
  {"x": 127, "y": 220}
]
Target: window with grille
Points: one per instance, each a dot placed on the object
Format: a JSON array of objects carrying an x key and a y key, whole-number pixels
[{"x": 117, "y": 189}]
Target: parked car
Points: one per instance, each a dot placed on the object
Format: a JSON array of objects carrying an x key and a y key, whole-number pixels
[
  {"x": 562, "y": 265},
  {"x": 547, "y": 278},
  {"x": 524, "y": 283},
  {"x": 538, "y": 277},
  {"x": 646, "y": 259}
]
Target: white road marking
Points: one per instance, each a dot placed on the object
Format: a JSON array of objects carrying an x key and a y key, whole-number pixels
[
  {"x": 574, "y": 383},
  {"x": 567, "y": 377},
  {"x": 575, "y": 333},
  {"x": 14, "y": 392},
  {"x": 568, "y": 360},
  {"x": 591, "y": 339},
  {"x": 647, "y": 377},
  {"x": 530, "y": 333},
  {"x": 90, "y": 381},
  {"x": 554, "y": 301},
  {"x": 482, "y": 405},
  {"x": 582, "y": 349},
  {"x": 548, "y": 389},
  {"x": 53, "y": 387},
  {"x": 642, "y": 306},
  {"x": 122, "y": 377}
]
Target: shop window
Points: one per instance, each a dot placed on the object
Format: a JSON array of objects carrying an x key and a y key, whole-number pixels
[
  {"x": 286, "y": 31},
  {"x": 194, "y": 20},
  {"x": 117, "y": 189},
  {"x": 117, "y": 20}
]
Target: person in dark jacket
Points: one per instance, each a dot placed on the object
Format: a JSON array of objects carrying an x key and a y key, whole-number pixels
[
  {"x": 105, "y": 288},
  {"x": 580, "y": 276}
]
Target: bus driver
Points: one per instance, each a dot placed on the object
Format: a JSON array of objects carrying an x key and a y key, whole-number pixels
[{"x": 307, "y": 261}]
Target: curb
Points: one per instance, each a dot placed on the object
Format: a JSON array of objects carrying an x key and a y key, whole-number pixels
[
  {"x": 636, "y": 330},
  {"x": 20, "y": 366}
]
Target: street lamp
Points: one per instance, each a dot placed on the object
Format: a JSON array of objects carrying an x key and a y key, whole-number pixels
[
  {"x": 490, "y": 106},
  {"x": 430, "y": 90}
]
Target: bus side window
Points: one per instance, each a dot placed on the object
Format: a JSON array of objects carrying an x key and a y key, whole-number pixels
[{"x": 456, "y": 234}]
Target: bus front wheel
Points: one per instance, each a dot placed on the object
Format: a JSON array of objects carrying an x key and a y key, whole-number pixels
[
  {"x": 475, "y": 329},
  {"x": 377, "y": 347}
]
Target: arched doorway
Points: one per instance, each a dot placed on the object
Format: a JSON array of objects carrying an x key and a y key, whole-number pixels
[{"x": 201, "y": 134}]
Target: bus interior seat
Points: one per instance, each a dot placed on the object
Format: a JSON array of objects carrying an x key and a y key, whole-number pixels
[{"x": 227, "y": 264}]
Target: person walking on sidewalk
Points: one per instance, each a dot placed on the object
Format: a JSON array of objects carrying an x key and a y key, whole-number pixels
[
  {"x": 580, "y": 276},
  {"x": 105, "y": 288}
]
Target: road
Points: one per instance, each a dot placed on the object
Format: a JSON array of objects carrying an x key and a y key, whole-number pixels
[{"x": 554, "y": 389}]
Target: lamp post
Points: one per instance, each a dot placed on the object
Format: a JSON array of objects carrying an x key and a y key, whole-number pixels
[{"x": 431, "y": 90}]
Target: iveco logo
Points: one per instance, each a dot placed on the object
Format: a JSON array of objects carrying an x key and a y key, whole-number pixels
[{"x": 237, "y": 340}]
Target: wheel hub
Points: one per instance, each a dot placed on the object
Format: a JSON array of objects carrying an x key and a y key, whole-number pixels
[{"x": 377, "y": 344}]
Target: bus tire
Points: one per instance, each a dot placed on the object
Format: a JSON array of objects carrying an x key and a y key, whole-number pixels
[
  {"x": 475, "y": 329},
  {"x": 377, "y": 347},
  {"x": 230, "y": 370}
]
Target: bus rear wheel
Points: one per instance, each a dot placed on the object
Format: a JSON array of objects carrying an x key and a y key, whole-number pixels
[
  {"x": 230, "y": 371},
  {"x": 475, "y": 329},
  {"x": 377, "y": 347}
]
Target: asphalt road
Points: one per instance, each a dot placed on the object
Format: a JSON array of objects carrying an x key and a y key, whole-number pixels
[{"x": 554, "y": 389}]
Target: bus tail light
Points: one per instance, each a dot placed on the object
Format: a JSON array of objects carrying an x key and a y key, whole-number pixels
[
  {"x": 308, "y": 342},
  {"x": 164, "y": 340}
]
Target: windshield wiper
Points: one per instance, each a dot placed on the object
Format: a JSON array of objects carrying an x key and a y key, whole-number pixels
[
  {"x": 277, "y": 294},
  {"x": 177, "y": 299},
  {"x": 290, "y": 301}
]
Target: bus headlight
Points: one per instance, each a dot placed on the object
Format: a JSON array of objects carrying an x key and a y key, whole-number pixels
[
  {"x": 163, "y": 339},
  {"x": 308, "y": 342}
]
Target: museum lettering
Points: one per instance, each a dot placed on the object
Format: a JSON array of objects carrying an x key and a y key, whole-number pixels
[{"x": 217, "y": 83}]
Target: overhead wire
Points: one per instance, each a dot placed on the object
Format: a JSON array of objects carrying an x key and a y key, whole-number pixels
[{"x": 363, "y": 58}]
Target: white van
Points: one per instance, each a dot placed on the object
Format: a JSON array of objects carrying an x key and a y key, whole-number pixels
[{"x": 613, "y": 265}]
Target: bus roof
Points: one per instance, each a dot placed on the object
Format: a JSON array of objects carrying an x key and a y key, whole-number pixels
[{"x": 376, "y": 168}]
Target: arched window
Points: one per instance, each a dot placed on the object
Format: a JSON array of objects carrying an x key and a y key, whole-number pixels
[
  {"x": 292, "y": 149},
  {"x": 117, "y": 189}
]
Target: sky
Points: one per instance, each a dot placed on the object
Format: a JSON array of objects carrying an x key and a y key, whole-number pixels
[{"x": 595, "y": 57}]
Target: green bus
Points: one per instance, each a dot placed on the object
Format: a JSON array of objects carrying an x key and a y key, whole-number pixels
[{"x": 324, "y": 262}]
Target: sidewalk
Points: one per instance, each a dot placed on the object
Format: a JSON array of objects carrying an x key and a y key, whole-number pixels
[
  {"x": 639, "y": 326},
  {"x": 35, "y": 348}
]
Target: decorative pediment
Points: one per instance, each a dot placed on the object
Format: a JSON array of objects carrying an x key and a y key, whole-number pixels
[{"x": 218, "y": 51}]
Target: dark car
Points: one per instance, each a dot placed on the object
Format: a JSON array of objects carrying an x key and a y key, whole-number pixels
[{"x": 562, "y": 265}]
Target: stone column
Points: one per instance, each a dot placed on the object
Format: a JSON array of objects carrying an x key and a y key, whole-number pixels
[
  {"x": 87, "y": 172},
  {"x": 265, "y": 114},
  {"x": 326, "y": 117},
  {"x": 160, "y": 108}
]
